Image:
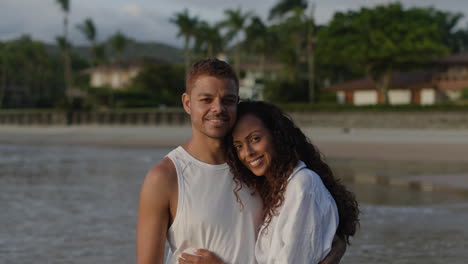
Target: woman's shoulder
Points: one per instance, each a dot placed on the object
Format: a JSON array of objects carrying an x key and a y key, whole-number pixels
[{"x": 303, "y": 180}]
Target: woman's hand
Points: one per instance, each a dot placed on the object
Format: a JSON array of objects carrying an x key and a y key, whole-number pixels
[
  {"x": 336, "y": 253},
  {"x": 204, "y": 257}
]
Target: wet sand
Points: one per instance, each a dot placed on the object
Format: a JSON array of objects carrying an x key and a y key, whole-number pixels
[{"x": 423, "y": 159}]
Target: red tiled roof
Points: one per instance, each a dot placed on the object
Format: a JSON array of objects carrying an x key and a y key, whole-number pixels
[{"x": 455, "y": 59}]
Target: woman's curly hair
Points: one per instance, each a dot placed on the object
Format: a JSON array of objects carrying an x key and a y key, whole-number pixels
[{"x": 290, "y": 145}]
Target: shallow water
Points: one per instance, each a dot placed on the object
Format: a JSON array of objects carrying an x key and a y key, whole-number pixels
[{"x": 69, "y": 204}]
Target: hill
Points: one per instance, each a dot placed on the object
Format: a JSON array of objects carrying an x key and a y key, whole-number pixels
[{"x": 133, "y": 50}]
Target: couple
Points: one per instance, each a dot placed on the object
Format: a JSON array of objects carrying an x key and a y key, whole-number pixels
[{"x": 247, "y": 187}]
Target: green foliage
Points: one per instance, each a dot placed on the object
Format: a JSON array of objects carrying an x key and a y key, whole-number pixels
[
  {"x": 156, "y": 85},
  {"x": 187, "y": 29},
  {"x": 88, "y": 29},
  {"x": 464, "y": 94},
  {"x": 282, "y": 91},
  {"x": 29, "y": 76},
  {"x": 64, "y": 4},
  {"x": 381, "y": 39},
  {"x": 163, "y": 84},
  {"x": 118, "y": 42},
  {"x": 285, "y": 6},
  {"x": 208, "y": 39}
]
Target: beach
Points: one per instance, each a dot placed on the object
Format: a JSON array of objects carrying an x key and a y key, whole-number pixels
[{"x": 428, "y": 160}]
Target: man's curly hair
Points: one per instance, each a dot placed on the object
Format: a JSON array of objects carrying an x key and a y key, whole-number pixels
[{"x": 290, "y": 145}]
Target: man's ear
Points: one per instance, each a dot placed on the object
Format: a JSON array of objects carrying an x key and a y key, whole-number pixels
[{"x": 186, "y": 102}]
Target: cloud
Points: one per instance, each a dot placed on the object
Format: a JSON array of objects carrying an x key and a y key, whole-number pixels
[
  {"x": 131, "y": 9},
  {"x": 148, "y": 20}
]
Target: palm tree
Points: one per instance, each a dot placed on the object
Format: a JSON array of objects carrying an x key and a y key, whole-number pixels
[
  {"x": 118, "y": 42},
  {"x": 88, "y": 29},
  {"x": 208, "y": 39},
  {"x": 283, "y": 7},
  {"x": 256, "y": 34},
  {"x": 65, "y": 5},
  {"x": 187, "y": 29},
  {"x": 235, "y": 24},
  {"x": 293, "y": 13}
]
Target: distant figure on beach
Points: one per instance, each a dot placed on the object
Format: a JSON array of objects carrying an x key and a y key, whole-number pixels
[
  {"x": 189, "y": 199},
  {"x": 269, "y": 154}
]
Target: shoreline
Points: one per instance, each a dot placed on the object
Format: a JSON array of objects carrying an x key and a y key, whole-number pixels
[{"x": 361, "y": 155}]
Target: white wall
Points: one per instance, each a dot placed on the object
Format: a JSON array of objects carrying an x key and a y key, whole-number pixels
[
  {"x": 341, "y": 97},
  {"x": 428, "y": 96},
  {"x": 97, "y": 79},
  {"x": 399, "y": 96},
  {"x": 365, "y": 97},
  {"x": 453, "y": 95}
]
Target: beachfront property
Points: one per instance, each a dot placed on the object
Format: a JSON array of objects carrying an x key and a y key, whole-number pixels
[
  {"x": 117, "y": 75},
  {"x": 253, "y": 74},
  {"x": 423, "y": 88}
]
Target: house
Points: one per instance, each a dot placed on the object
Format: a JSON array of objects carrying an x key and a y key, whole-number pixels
[
  {"x": 117, "y": 75},
  {"x": 253, "y": 74},
  {"x": 424, "y": 87}
]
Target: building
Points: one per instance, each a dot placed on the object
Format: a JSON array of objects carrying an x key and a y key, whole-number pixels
[
  {"x": 424, "y": 88},
  {"x": 117, "y": 75},
  {"x": 253, "y": 74}
]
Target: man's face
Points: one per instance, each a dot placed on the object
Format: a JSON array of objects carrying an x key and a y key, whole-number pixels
[{"x": 212, "y": 105}]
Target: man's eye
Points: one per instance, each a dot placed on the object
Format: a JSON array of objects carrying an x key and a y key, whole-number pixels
[
  {"x": 230, "y": 101},
  {"x": 205, "y": 99}
]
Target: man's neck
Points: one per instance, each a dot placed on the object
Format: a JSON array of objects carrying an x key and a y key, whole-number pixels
[{"x": 205, "y": 149}]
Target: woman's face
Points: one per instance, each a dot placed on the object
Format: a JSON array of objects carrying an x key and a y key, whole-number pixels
[{"x": 253, "y": 143}]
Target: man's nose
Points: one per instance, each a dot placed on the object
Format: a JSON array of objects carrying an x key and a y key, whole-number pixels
[{"x": 217, "y": 106}]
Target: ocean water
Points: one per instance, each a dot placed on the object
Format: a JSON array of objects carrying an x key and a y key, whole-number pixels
[{"x": 72, "y": 204}]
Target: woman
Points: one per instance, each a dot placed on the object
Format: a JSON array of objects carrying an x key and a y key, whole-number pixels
[
  {"x": 270, "y": 155},
  {"x": 304, "y": 205}
]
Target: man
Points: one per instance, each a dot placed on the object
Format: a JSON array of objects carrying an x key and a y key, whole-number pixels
[{"x": 188, "y": 197}]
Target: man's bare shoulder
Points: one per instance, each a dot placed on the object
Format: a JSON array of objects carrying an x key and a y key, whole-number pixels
[{"x": 161, "y": 179}]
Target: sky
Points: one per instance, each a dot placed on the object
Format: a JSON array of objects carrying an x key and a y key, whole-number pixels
[{"x": 148, "y": 20}]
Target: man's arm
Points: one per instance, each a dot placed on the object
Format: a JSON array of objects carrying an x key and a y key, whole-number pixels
[
  {"x": 154, "y": 212},
  {"x": 337, "y": 251}
]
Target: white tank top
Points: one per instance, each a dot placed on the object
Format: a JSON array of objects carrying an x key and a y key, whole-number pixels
[{"x": 208, "y": 214}]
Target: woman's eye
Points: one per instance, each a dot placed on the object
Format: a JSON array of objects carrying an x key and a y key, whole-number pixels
[
  {"x": 237, "y": 147},
  {"x": 255, "y": 139}
]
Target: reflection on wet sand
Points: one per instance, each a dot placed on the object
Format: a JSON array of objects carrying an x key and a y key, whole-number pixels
[{"x": 72, "y": 204}]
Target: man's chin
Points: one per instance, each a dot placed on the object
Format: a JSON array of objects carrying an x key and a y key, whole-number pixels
[{"x": 220, "y": 134}]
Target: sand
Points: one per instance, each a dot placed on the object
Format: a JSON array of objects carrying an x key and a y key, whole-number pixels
[{"x": 369, "y": 152}]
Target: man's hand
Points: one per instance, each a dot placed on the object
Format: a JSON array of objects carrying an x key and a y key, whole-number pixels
[
  {"x": 336, "y": 253},
  {"x": 204, "y": 257}
]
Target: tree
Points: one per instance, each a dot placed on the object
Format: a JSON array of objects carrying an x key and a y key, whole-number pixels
[
  {"x": 187, "y": 29},
  {"x": 88, "y": 29},
  {"x": 118, "y": 42},
  {"x": 382, "y": 40},
  {"x": 284, "y": 7},
  {"x": 28, "y": 74},
  {"x": 299, "y": 28},
  {"x": 235, "y": 24},
  {"x": 256, "y": 37},
  {"x": 65, "y": 6},
  {"x": 208, "y": 39},
  {"x": 452, "y": 36}
]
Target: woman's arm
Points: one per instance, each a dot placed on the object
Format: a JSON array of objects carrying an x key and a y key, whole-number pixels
[{"x": 337, "y": 252}]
